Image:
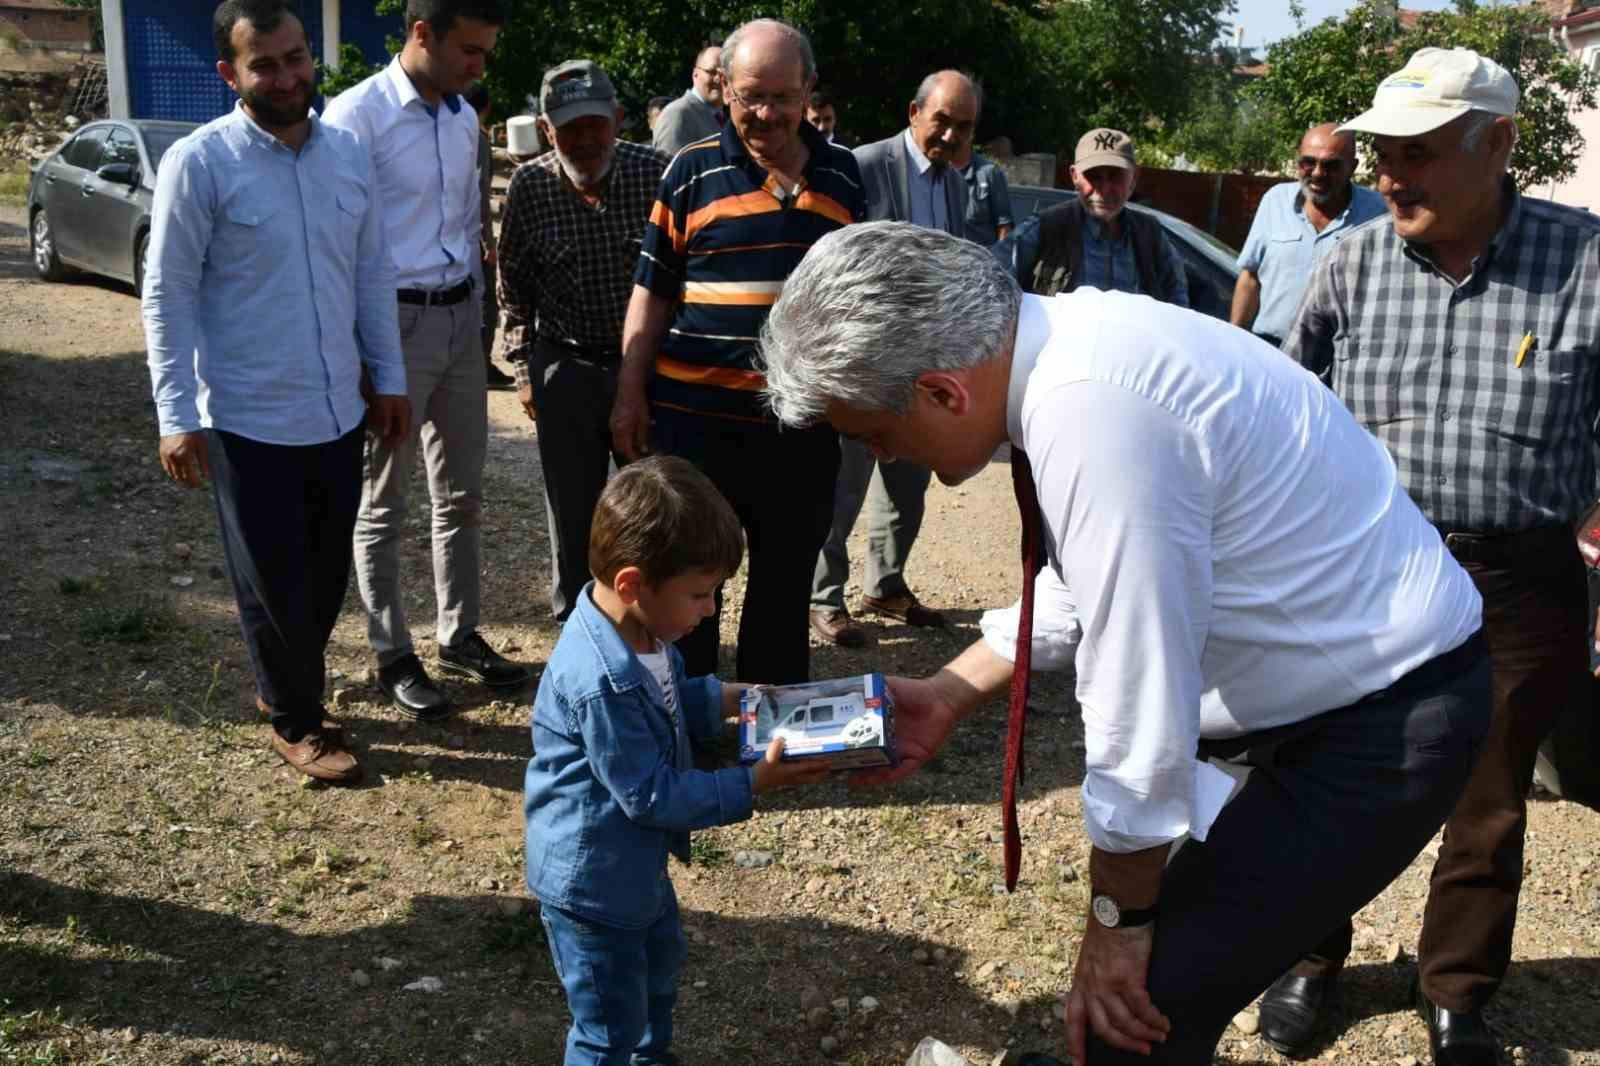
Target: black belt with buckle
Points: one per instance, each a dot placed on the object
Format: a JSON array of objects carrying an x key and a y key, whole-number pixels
[
  {"x": 1503, "y": 549},
  {"x": 437, "y": 297}
]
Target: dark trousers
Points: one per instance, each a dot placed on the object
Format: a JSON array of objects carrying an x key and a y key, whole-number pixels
[
  {"x": 1279, "y": 867},
  {"x": 572, "y": 395},
  {"x": 287, "y": 515},
  {"x": 780, "y": 484},
  {"x": 1535, "y": 616}
]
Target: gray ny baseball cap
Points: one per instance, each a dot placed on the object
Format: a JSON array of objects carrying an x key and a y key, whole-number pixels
[{"x": 574, "y": 89}]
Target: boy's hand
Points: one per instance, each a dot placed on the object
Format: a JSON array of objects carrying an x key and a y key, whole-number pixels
[{"x": 772, "y": 772}]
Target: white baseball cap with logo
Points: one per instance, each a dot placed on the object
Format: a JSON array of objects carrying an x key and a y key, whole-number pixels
[{"x": 1436, "y": 86}]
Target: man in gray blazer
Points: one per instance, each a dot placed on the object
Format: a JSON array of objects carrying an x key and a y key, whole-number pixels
[
  {"x": 909, "y": 178},
  {"x": 697, "y": 114}
]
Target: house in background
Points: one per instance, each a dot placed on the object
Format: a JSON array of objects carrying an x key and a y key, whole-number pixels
[
  {"x": 161, "y": 63},
  {"x": 46, "y": 24},
  {"x": 1576, "y": 24}
]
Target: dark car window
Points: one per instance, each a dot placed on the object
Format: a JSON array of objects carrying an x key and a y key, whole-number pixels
[
  {"x": 84, "y": 149},
  {"x": 120, "y": 148},
  {"x": 157, "y": 141}
]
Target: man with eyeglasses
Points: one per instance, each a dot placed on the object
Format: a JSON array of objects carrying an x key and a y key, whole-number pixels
[
  {"x": 910, "y": 177},
  {"x": 697, "y": 114},
  {"x": 1297, "y": 224},
  {"x": 734, "y": 215},
  {"x": 1094, "y": 241}
]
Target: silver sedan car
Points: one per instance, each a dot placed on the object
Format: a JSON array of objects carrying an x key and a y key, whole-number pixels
[{"x": 89, "y": 201}]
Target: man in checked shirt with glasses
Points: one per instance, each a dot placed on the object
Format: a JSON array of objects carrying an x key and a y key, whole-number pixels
[
  {"x": 1464, "y": 332},
  {"x": 569, "y": 241}
]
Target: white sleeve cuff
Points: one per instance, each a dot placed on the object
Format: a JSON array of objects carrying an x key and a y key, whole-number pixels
[
  {"x": 1056, "y": 631},
  {"x": 1119, "y": 820}
]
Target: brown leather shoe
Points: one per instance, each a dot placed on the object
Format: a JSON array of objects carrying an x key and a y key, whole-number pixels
[
  {"x": 321, "y": 755},
  {"x": 836, "y": 626},
  {"x": 329, "y": 725},
  {"x": 906, "y": 608}
]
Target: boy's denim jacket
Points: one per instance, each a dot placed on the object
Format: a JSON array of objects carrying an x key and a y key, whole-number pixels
[{"x": 604, "y": 798}]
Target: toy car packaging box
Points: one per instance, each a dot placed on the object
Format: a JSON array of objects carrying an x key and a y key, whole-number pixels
[{"x": 849, "y": 722}]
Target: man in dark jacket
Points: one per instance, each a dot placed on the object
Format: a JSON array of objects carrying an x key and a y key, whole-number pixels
[{"x": 1094, "y": 240}]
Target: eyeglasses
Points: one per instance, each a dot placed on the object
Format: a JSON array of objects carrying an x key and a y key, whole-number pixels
[
  {"x": 754, "y": 102},
  {"x": 1311, "y": 164},
  {"x": 710, "y": 72}
]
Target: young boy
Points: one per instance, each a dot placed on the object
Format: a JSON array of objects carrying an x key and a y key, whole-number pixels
[{"x": 611, "y": 789}]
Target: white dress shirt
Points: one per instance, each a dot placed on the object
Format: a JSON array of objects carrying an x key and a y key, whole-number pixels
[
  {"x": 1239, "y": 551},
  {"x": 925, "y": 185},
  {"x": 427, "y": 164}
]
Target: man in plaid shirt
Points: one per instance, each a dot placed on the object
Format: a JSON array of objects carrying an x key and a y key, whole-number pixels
[
  {"x": 574, "y": 222},
  {"x": 1464, "y": 331}
]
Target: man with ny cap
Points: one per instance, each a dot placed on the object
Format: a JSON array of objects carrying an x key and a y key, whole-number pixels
[
  {"x": 1094, "y": 241},
  {"x": 1464, "y": 332},
  {"x": 1228, "y": 561},
  {"x": 1296, "y": 225},
  {"x": 569, "y": 243}
]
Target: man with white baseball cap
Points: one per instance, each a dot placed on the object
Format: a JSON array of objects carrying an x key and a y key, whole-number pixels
[{"x": 1464, "y": 332}]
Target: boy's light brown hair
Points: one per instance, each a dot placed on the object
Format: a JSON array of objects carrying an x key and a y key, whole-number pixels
[{"x": 665, "y": 517}]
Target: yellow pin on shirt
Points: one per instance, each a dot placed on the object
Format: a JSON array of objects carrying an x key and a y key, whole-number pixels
[{"x": 1523, "y": 349}]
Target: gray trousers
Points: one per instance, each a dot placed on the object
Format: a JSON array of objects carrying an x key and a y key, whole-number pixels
[
  {"x": 572, "y": 396},
  {"x": 895, "y": 492},
  {"x": 450, "y": 418}
]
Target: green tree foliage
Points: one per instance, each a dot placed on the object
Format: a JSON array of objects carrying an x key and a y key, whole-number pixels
[
  {"x": 352, "y": 69},
  {"x": 1050, "y": 68},
  {"x": 1232, "y": 131},
  {"x": 1329, "y": 72}
]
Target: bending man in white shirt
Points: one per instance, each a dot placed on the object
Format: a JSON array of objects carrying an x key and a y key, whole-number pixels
[{"x": 1251, "y": 582}]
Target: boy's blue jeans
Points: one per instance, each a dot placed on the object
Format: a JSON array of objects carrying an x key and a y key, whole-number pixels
[{"x": 621, "y": 986}]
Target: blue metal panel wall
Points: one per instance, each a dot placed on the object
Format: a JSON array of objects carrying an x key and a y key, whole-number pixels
[
  {"x": 360, "y": 25},
  {"x": 172, "y": 61}
]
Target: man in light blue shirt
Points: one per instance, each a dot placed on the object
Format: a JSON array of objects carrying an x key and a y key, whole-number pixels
[
  {"x": 1297, "y": 224},
  {"x": 268, "y": 312},
  {"x": 423, "y": 140}
]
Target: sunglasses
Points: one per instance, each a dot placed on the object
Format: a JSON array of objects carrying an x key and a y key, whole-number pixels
[{"x": 1310, "y": 164}]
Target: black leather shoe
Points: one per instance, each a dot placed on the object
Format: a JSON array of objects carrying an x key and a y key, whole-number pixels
[
  {"x": 406, "y": 683},
  {"x": 1291, "y": 1009},
  {"x": 1457, "y": 1039},
  {"x": 472, "y": 657}
]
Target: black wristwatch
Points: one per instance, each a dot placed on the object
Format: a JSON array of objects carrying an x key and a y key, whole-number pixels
[{"x": 1109, "y": 914}]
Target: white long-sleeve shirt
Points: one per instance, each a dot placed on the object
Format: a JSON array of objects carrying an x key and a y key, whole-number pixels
[
  {"x": 426, "y": 159},
  {"x": 1239, "y": 551}
]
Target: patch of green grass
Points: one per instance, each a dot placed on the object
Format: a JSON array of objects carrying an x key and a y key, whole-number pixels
[
  {"x": 513, "y": 935},
  {"x": 14, "y": 182},
  {"x": 424, "y": 833},
  {"x": 139, "y": 623},
  {"x": 706, "y": 852},
  {"x": 73, "y": 586},
  {"x": 21, "y": 1033}
]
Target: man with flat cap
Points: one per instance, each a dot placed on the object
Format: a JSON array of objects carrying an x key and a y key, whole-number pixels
[
  {"x": 1464, "y": 332},
  {"x": 1095, "y": 241}
]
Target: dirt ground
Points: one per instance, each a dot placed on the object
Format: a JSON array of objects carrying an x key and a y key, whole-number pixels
[{"x": 170, "y": 893}]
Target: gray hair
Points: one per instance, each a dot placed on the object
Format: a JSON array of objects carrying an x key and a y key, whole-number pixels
[
  {"x": 1474, "y": 124},
  {"x": 874, "y": 306},
  {"x": 931, "y": 82},
  {"x": 797, "y": 40}
]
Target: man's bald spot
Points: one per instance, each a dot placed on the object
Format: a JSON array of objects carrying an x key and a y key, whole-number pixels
[
  {"x": 951, "y": 83},
  {"x": 713, "y": 51},
  {"x": 770, "y": 40},
  {"x": 1327, "y": 135}
]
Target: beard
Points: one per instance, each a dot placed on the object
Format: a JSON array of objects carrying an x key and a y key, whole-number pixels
[
  {"x": 1321, "y": 199},
  {"x": 277, "y": 114},
  {"x": 589, "y": 173}
]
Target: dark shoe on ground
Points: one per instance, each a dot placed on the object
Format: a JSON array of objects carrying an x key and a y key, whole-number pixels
[
  {"x": 472, "y": 657},
  {"x": 415, "y": 695},
  {"x": 1292, "y": 1008},
  {"x": 329, "y": 725},
  {"x": 321, "y": 755},
  {"x": 1457, "y": 1039},
  {"x": 835, "y": 625},
  {"x": 499, "y": 379},
  {"x": 906, "y": 608}
]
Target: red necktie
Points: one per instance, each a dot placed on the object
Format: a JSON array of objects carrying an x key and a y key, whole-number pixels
[{"x": 1016, "y": 717}]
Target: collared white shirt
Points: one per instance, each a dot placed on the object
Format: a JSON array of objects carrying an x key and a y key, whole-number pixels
[
  {"x": 427, "y": 164},
  {"x": 1240, "y": 553},
  {"x": 925, "y": 185}
]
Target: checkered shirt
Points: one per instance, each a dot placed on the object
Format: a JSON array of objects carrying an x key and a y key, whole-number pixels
[
  {"x": 1430, "y": 366},
  {"x": 566, "y": 267}
]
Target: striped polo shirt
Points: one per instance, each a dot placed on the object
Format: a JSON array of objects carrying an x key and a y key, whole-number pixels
[{"x": 721, "y": 239}]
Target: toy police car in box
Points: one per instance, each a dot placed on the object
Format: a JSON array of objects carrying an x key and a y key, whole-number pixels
[{"x": 849, "y": 721}]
